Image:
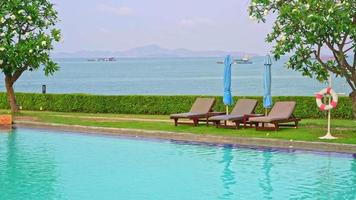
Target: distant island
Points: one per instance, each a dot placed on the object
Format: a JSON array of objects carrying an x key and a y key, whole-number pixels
[{"x": 149, "y": 51}]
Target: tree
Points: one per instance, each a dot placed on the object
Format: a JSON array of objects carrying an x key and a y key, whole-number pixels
[
  {"x": 309, "y": 29},
  {"x": 27, "y": 34}
]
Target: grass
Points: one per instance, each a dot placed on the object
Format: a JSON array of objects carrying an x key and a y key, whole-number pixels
[{"x": 309, "y": 130}]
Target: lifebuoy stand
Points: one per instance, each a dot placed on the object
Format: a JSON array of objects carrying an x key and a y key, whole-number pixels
[{"x": 328, "y": 135}]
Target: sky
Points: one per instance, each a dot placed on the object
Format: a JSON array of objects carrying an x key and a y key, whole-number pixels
[{"x": 192, "y": 24}]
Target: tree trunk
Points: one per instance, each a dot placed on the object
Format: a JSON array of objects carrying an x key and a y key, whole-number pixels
[
  {"x": 11, "y": 94},
  {"x": 353, "y": 97}
]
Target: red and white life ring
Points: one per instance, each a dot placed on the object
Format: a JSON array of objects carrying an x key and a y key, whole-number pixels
[{"x": 319, "y": 96}]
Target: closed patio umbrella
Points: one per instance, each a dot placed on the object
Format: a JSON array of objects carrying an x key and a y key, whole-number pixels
[
  {"x": 267, "y": 98},
  {"x": 227, "y": 98}
]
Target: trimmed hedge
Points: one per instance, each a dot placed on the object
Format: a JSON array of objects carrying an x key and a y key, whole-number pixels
[{"x": 306, "y": 106}]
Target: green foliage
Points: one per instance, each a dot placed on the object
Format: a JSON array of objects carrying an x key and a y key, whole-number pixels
[
  {"x": 307, "y": 29},
  {"x": 306, "y": 106},
  {"x": 27, "y": 35}
]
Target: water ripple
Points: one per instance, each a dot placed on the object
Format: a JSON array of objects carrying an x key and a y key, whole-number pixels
[{"x": 39, "y": 165}]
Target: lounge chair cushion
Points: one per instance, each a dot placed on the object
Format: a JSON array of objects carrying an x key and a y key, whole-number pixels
[
  {"x": 281, "y": 111},
  {"x": 226, "y": 118},
  {"x": 265, "y": 119},
  {"x": 202, "y": 105},
  {"x": 200, "y": 108},
  {"x": 188, "y": 115},
  {"x": 244, "y": 106}
]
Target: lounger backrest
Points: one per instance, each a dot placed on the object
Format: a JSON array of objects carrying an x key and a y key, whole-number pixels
[
  {"x": 283, "y": 109},
  {"x": 244, "y": 106},
  {"x": 202, "y": 105}
]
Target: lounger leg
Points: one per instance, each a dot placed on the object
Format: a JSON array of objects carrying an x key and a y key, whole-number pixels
[
  {"x": 276, "y": 127},
  {"x": 256, "y": 125},
  {"x": 237, "y": 125},
  {"x": 245, "y": 123},
  {"x": 195, "y": 121},
  {"x": 207, "y": 121},
  {"x": 217, "y": 124},
  {"x": 175, "y": 121}
]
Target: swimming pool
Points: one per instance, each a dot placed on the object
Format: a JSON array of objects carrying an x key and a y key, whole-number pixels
[{"x": 35, "y": 164}]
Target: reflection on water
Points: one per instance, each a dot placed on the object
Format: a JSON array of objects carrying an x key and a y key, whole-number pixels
[
  {"x": 352, "y": 189},
  {"x": 228, "y": 175},
  {"x": 266, "y": 182},
  {"x": 25, "y": 166},
  {"x": 325, "y": 178},
  {"x": 45, "y": 165}
]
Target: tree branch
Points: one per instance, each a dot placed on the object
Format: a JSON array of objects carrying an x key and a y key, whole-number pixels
[
  {"x": 353, "y": 87},
  {"x": 348, "y": 49},
  {"x": 17, "y": 74},
  {"x": 317, "y": 56},
  {"x": 331, "y": 46},
  {"x": 354, "y": 64},
  {"x": 349, "y": 42},
  {"x": 342, "y": 44},
  {"x": 340, "y": 58}
]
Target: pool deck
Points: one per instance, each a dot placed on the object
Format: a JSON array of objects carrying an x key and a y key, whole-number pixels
[{"x": 189, "y": 137}]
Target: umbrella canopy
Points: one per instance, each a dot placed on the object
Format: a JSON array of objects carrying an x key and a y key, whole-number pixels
[
  {"x": 227, "y": 81},
  {"x": 267, "y": 98}
]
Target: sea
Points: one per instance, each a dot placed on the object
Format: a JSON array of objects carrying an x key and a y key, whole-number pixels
[{"x": 169, "y": 76}]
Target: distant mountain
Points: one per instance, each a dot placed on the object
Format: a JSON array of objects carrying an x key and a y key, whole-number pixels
[{"x": 149, "y": 51}]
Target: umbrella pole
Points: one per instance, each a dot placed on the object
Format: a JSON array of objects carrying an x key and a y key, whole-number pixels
[
  {"x": 266, "y": 111},
  {"x": 227, "y": 112}
]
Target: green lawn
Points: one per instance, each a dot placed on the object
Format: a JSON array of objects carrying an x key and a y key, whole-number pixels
[{"x": 309, "y": 130}]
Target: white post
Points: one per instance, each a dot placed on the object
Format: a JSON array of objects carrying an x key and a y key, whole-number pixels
[
  {"x": 328, "y": 134},
  {"x": 329, "y": 111}
]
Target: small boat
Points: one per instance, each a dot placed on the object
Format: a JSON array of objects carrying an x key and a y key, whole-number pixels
[
  {"x": 111, "y": 59},
  {"x": 244, "y": 60}
]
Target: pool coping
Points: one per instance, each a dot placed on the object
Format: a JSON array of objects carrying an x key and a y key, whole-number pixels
[{"x": 190, "y": 137}]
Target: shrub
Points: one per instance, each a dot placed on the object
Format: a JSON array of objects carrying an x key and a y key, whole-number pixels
[{"x": 139, "y": 104}]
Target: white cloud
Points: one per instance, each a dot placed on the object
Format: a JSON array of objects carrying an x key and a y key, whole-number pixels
[
  {"x": 104, "y": 30},
  {"x": 196, "y": 22},
  {"x": 187, "y": 22},
  {"x": 117, "y": 10}
]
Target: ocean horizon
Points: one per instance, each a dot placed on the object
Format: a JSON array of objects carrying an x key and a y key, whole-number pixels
[{"x": 169, "y": 76}]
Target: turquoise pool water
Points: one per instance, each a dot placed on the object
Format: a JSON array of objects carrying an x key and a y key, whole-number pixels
[{"x": 37, "y": 164}]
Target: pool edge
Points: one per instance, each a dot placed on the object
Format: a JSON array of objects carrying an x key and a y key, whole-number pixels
[{"x": 189, "y": 137}]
